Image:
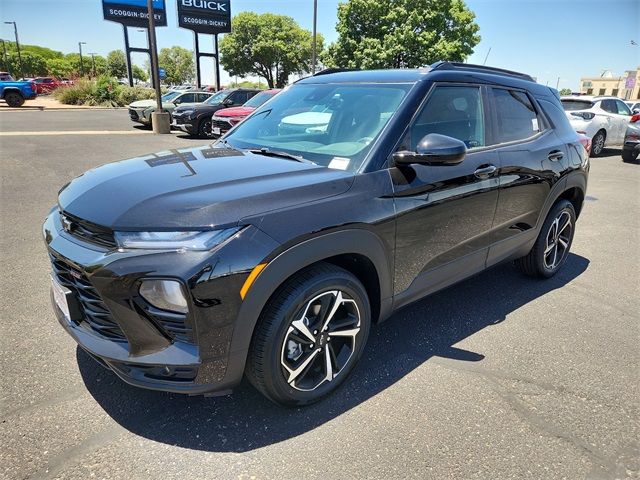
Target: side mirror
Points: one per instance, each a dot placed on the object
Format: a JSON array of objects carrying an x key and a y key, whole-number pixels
[
  {"x": 227, "y": 101},
  {"x": 434, "y": 149}
]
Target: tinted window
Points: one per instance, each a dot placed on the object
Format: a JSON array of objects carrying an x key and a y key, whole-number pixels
[
  {"x": 609, "y": 106},
  {"x": 201, "y": 97},
  {"x": 187, "y": 98},
  {"x": 452, "y": 111},
  {"x": 238, "y": 98},
  {"x": 517, "y": 119},
  {"x": 622, "y": 108},
  {"x": 571, "y": 105}
]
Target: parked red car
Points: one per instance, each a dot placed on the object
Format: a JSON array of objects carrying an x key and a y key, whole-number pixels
[
  {"x": 46, "y": 85},
  {"x": 223, "y": 120}
]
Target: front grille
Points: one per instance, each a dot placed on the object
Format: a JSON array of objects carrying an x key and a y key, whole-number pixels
[
  {"x": 221, "y": 124},
  {"x": 95, "y": 314},
  {"x": 88, "y": 231},
  {"x": 133, "y": 114}
]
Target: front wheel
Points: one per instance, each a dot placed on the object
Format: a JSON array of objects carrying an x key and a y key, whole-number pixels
[
  {"x": 629, "y": 155},
  {"x": 14, "y": 99},
  {"x": 309, "y": 336},
  {"x": 204, "y": 129},
  {"x": 554, "y": 241}
]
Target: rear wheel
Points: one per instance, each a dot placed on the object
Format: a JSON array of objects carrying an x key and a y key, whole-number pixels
[
  {"x": 597, "y": 143},
  {"x": 14, "y": 99},
  {"x": 309, "y": 336},
  {"x": 554, "y": 241}
]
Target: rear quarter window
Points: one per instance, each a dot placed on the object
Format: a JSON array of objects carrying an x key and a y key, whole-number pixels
[
  {"x": 573, "y": 105},
  {"x": 516, "y": 116}
]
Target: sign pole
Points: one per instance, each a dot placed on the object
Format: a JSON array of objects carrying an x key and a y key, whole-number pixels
[
  {"x": 127, "y": 50},
  {"x": 198, "y": 73},
  {"x": 160, "y": 119},
  {"x": 217, "y": 60}
]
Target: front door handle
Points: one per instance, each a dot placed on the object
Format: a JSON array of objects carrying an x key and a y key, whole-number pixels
[
  {"x": 485, "y": 172},
  {"x": 555, "y": 155}
]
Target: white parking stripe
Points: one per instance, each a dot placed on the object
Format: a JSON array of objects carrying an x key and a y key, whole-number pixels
[{"x": 77, "y": 132}]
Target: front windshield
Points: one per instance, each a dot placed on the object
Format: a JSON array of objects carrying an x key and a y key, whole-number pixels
[
  {"x": 167, "y": 97},
  {"x": 257, "y": 100},
  {"x": 217, "y": 98},
  {"x": 330, "y": 124}
]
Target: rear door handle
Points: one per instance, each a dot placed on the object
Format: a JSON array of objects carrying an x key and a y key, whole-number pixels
[
  {"x": 555, "y": 155},
  {"x": 485, "y": 172}
]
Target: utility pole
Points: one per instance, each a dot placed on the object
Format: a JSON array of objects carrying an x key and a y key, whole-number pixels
[
  {"x": 315, "y": 36},
  {"x": 15, "y": 30},
  {"x": 159, "y": 119},
  {"x": 81, "y": 64},
  {"x": 93, "y": 62}
]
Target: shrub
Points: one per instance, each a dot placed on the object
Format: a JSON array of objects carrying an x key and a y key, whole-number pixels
[
  {"x": 104, "y": 92},
  {"x": 128, "y": 95},
  {"x": 78, "y": 94}
]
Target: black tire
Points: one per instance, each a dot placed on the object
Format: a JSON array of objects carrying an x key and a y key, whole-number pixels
[
  {"x": 629, "y": 156},
  {"x": 14, "y": 99},
  {"x": 272, "y": 347},
  {"x": 597, "y": 143},
  {"x": 204, "y": 128},
  {"x": 537, "y": 263}
]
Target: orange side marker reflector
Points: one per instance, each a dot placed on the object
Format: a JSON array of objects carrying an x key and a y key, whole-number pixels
[{"x": 250, "y": 279}]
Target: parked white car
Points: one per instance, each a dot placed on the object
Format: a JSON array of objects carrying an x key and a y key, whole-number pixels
[{"x": 603, "y": 119}]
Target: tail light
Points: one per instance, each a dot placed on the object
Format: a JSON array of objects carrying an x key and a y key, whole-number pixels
[
  {"x": 585, "y": 141},
  {"x": 584, "y": 115},
  {"x": 33, "y": 86},
  {"x": 635, "y": 118}
]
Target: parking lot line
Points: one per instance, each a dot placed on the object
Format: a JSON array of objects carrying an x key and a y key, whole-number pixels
[{"x": 77, "y": 132}]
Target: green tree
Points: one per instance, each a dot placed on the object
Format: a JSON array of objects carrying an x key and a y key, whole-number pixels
[
  {"x": 402, "y": 33},
  {"x": 33, "y": 65},
  {"x": 565, "y": 91},
  {"x": 268, "y": 45},
  {"x": 60, "y": 67},
  {"x": 117, "y": 64},
  {"x": 178, "y": 63},
  {"x": 140, "y": 73}
]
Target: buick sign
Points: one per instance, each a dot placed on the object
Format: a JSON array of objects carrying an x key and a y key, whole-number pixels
[{"x": 205, "y": 16}]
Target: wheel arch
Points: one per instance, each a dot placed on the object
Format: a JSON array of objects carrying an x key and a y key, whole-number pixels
[
  {"x": 358, "y": 251},
  {"x": 11, "y": 90}
]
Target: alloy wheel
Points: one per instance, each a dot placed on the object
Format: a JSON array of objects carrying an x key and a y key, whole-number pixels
[
  {"x": 320, "y": 341},
  {"x": 557, "y": 240},
  {"x": 598, "y": 144}
]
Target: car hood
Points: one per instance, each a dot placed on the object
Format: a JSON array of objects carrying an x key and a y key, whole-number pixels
[
  {"x": 235, "y": 112},
  {"x": 143, "y": 104},
  {"x": 195, "y": 188},
  {"x": 201, "y": 108}
]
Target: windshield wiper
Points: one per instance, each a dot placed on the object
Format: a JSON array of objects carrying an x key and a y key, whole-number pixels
[{"x": 275, "y": 153}]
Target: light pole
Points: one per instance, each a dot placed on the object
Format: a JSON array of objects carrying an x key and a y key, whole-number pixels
[
  {"x": 15, "y": 30},
  {"x": 93, "y": 62},
  {"x": 315, "y": 24},
  {"x": 81, "y": 64},
  {"x": 160, "y": 120}
]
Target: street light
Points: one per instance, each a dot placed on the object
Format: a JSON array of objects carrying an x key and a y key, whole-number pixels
[
  {"x": 81, "y": 64},
  {"x": 15, "y": 30},
  {"x": 93, "y": 62}
]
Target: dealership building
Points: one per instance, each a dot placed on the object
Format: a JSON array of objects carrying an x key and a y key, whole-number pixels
[{"x": 626, "y": 86}]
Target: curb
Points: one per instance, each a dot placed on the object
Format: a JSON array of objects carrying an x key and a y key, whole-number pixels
[{"x": 57, "y": 109}]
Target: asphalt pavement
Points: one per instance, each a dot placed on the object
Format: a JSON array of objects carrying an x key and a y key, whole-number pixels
[{"x": 500, "y": 376}]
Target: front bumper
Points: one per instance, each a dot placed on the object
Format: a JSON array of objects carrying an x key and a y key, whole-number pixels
[
  {"x": 184, "y": 123},
  {"x": 147, "y": 353},
  {"x": 138, "y": 116}
]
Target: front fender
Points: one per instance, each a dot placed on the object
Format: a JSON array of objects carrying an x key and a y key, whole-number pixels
[{"x": 285, "y": 264}]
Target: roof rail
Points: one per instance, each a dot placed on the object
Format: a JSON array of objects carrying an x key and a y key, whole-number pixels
[
  {"x": 327, "y": 71},
  {"x": 479, "y": 68}
]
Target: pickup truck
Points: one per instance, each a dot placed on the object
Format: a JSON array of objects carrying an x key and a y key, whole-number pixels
[{"x": 15, "y": 93}]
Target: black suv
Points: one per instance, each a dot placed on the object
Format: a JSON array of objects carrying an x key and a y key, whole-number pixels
[
  {"x": 196, "y": 119},
  {"x": 272, "y": 252}
]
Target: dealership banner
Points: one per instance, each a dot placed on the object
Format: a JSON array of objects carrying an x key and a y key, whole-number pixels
[
  {"x": 133, "y": 13},
  {"x": 205, "y": 16}
]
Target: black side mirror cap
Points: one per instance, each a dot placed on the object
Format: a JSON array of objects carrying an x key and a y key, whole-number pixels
[{"x": 433, "y": 149}]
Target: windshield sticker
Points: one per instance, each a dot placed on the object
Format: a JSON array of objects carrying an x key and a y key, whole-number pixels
[{"x": 339, "y": 163}]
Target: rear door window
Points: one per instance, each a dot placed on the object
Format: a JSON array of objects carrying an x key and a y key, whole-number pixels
[
  {"x": 516, "y": 116},
  {"x": 455, "y": 111},
  {"x": 609, "y": 106}
]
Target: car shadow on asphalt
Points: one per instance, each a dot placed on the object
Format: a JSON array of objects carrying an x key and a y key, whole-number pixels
[{"x": 246, "y": 420}]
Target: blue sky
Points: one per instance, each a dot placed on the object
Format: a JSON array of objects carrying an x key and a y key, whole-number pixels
[{"x": 544, "y": 38}]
